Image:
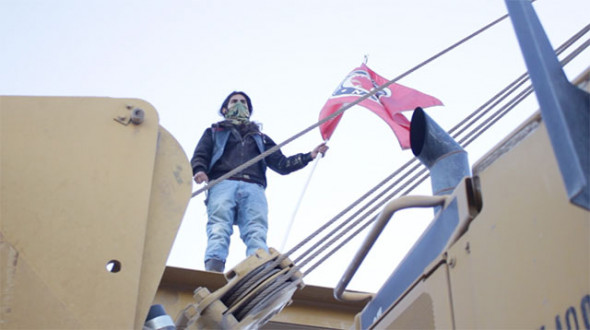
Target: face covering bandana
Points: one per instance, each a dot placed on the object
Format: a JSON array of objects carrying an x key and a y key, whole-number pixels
[{"x": 237, "y": 113}]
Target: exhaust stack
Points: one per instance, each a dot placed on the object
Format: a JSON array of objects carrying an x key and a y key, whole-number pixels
[{"x": 447, "y": 161}]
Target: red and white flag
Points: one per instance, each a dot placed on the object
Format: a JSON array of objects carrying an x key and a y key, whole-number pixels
[{"x": 387, "y": 103}]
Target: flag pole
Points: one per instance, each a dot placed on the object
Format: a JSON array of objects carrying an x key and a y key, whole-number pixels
[{"x": 315, "y": 163}]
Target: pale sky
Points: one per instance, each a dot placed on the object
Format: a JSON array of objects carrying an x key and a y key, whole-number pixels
[{"x": 185, "y": 56}]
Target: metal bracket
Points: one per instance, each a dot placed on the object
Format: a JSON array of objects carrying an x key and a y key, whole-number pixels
[{"x": 133, "y": 115}]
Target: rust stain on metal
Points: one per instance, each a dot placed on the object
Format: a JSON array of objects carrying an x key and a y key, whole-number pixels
[{"x": 8, "y": 262}]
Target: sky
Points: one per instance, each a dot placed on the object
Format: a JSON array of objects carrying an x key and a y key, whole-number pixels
[{"x": 185, "y": 56}]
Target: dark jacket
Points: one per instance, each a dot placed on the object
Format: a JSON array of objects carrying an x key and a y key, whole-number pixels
[{"x": 225, "y": 146}]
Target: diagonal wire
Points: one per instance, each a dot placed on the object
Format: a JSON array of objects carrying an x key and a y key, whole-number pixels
[
  {"x": 468, "y": 139},
  {"x": 346, "y": 107},
  {"x": 423, "y": 177}
]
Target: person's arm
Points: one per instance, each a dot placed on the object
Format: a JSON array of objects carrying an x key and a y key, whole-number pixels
[
  {"x": 281, "y": 164},
  {"x": 202, "y": 157}
]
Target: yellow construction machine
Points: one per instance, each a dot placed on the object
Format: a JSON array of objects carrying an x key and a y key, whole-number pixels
[{"x": 93, "y": 190}]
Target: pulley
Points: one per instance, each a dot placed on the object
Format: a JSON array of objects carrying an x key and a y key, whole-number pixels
[{"x": 257, "y": 289}]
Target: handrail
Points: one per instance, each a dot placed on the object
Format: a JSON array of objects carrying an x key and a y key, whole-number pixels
[{"x": 388, "y": 211}]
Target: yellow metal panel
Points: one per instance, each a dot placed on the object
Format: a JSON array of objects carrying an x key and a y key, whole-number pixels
[
  {"x": 426, "y": 306},
  {"x": 525, "y": 259},
  {"x": 171, "y": 191},
  {"x": 75, "y": 189},
  {"x": 309, "y": 315},
  {"x": 40, "y": 309}
]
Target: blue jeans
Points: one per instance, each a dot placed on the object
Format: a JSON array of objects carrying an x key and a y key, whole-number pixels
[{"x": 238, "y": 203}]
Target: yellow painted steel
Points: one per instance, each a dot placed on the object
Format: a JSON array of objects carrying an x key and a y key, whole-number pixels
[
  {"x": 427, "y": 305},
  {"x": 90, "y": 205},
  {"x": 525, "y": 260},
  {"x": 92, "y": 192}
]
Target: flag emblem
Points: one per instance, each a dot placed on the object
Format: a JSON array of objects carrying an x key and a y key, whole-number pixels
[{"x": 387, "y": 103}]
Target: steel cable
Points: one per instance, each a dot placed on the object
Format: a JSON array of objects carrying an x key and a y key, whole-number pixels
[
  {"x": 346, "y": 107},
  {"x": 323, "y": 244},
  {"x": 464, "y": 142}
]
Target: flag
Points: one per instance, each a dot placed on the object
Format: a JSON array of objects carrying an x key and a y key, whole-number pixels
[{"x": 387, "y": 103}]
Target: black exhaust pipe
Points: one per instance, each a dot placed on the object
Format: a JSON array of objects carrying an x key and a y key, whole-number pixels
[{"x": 439, "y": 152}]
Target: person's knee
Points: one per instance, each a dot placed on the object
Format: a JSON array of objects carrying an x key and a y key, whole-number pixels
[
  {"x": 219, "y": 230},
  {"x": 254, "y": 233}
]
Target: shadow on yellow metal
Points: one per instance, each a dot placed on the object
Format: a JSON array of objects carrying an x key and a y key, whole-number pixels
[{"x": 93, "y": 191}]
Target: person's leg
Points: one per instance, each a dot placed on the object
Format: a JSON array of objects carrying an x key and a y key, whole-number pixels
[
  {"x": 252, "y": 217},
  {"x": 221, "y": 205}
]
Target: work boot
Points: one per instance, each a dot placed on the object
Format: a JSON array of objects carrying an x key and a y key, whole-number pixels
[{"x": 214, "y": 265}]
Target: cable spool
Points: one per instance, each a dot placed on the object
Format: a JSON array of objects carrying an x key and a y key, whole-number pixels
[{"x": 258, "y": 288}]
